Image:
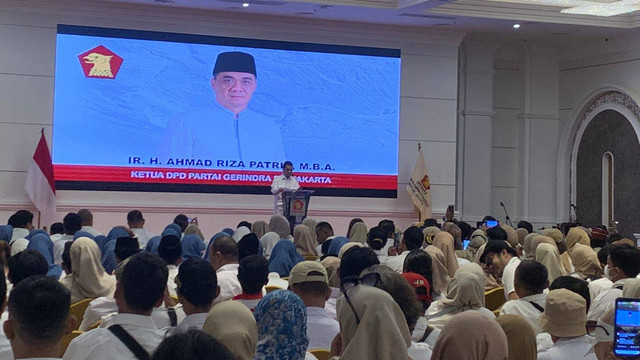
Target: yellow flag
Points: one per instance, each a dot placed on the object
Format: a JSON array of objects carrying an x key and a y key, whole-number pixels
[{"x": 419, "y": 188}]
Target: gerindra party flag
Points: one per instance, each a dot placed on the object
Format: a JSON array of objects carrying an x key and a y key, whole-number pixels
[
  {"x": 40, "y": 185},
  {"x": 419, "y": 188}
]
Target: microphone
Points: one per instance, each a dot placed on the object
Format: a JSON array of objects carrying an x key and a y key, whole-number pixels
[
  {"x": 573, "y": 206},
  {"x": 506, "y": 214},
  {"x": 501, "y": 204}
]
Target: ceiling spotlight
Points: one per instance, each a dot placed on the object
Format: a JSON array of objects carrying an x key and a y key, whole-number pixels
[
  {"x": 516, "y": 26},
  {"x": 245, "y": 4}
]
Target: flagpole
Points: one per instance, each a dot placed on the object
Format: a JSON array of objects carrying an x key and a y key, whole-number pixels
[
  {"x": 415, "y": 207},
  {"x": 39, "y": 217}
]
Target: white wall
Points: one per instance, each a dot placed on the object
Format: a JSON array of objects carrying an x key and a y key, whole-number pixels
[{"x": 27, "y": 53}]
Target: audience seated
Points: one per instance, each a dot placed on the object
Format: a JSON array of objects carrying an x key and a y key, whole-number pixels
[
  {"x": 284, "y": 257},
  {"x": 504, "y": 259},
  {"x": 259, "y": 228},
  {"x": 170, "y": 251},
  {"x": 248, "y": 245},
  {"x": 268, "y": 241},
  {"x": 376, "y": 240},
  {"x": 234, "y": 325},
  {"x": 412, "y": 239},
  {"x": 89, "y": 278},
  {"x": 253, "y": 274},
  {"x": 548, "y": 255},
  {"x": 72, "y": 223},
  {"x": 22, "y": 223},
  {"x": 140, "y": 289},
  {"x": 136, "y": 221},
  {"x": 24, "y": 264},
  {"x": 280, "y": 225},
  {"x": 193, "y": 344},
  {"x": 521, "y": 337},
  {"x": 441, "y": 278},
  {"x": 223, "y": 256},
  {"x": 586, "y": 263},
  {"x": 303, "y": 241},
  {"x": 353, "y": 262},
  {"x": 358, "y": 232},
  {"x": 38, "y": 318},
  {"x": 42, "y": 243},
  {"x": 282, "y": 337},
  {"x": 309, "y": 280},
  {"x": 324, "y": 235},
  {"x": 197, "y": 286},
  {"x": 444, "y": 241},
  {"x": 87, "y": 222},
  {"x": 530, "y": 281},
  {"x": 460, "y": 341}
]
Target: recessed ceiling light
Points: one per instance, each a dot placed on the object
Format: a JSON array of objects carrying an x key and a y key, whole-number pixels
[
  {"x": 245, "y": 4},
  {"x": 516, "y": 26}
]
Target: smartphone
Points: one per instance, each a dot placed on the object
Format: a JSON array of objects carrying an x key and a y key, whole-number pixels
[
  {"x": 465, "y": 244},
  {"x": 491, "y": 223},
  {"x": 626, "y": 336}
]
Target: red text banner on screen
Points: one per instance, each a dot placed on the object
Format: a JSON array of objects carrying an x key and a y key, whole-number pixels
[{"x": 218, "y": 177}]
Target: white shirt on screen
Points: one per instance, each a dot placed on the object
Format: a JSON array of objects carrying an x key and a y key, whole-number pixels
[
  {"x": 508, "y": 275},
  {"x": 228, "y": 282},
  {"x": 321, "y": 328},
  {"x": 282, "y": 182},
  {"x": 101, "y": 344}
]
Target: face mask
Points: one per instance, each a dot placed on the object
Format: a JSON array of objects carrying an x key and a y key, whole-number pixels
[{"x": 606, "y": 272}]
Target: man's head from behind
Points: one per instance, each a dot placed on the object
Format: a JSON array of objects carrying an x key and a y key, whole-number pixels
[
  {"x": 623, "y": 262},
  {"x": 72, "y": 222},
  {"x": 197, "y": 284},
  {"x": 38, "y": 316},
  {"x": 26, "y": 263},
  {"x": 377, "y": 238},
  {"x": 253, "y": 273},
  {"x": 125, "y": 247},
  {"x": 234, "y": 80},
  {"x": 223, "y": 251},
  {"x": 412, "y": 238},
  {"x": 170, "y": 249},
  {"x": 86, "y": 216},
  {"x": 141, "y": 287},
  {"x": 574, "y": 285},
  {"x": 530, "y": 278},
  {"x": 21, "y": 219},
  {"x": 309, "y": 280},
  {"x": 135, "y": 219},
  {"x": 354, "y": 261},
  {"x": 181, "y": 220}
]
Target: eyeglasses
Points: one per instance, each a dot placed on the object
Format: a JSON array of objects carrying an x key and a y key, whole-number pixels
[{"x": 348, "y": 283}]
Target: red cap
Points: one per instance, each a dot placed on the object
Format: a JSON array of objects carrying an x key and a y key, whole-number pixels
[
  {"x": 420, "y": 284},
  {"x": 599, "y": 233}
]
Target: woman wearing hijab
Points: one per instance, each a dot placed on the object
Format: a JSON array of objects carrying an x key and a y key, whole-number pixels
[
  {"x": 268, "y": 241},
  {"x": 240, "y": 233},
  {"x": 527, "y": 245},
  {"x": 478, "y": 238},
  {"x": 281, "y": 317},
  {"x": 260, "y": 228},
  {"x": 586, "y": 263},
  {"x": 284, "y": 257},
  {"x": 192, "y": 246},
  {"x": 332, "y": 264},
  {"x": 280, "y": 225},
  {"x": 429, "y": 233},
  {"x": 539, "y": 240},
  {"x": 303, "y": 241},
  {"x": 43, "y": 244},
  {"x": 336, "y": 244},
  {"x": 460, "y": 341},
  {"x": 233, "y": 324},
  {"x": 193, "y": 229},
  {"x": 89, "y": 278},
  {"x": 351, "y": 223},
  {"x": 444, "y": 241},
  {"x": 372, "y": 326},
  {"x": 547, "y": 255},
  {"x": 521, "y": 337},
  {"x": 576, "y": 236},
  {"x": 358, "y": 233},
  {"x": 248, "y": 245},
  {"x": 311, "y": 224},
  {"x": 465, "y": 293},
  {"x": 211, "y": 241},
  {"x": 441, "y": 278}
]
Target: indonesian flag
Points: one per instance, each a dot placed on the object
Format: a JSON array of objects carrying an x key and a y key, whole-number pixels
[
  {"x": 40, "y": 185},
  {"x": 419, "y": 188}
]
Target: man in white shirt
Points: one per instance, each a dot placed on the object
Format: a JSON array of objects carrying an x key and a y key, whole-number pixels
[
  {"x": 22, "y": 223},
  {"x": 282, "y": 183},
  {"x": 411, "y": 239},
  {"x": 324, "y": 234},
  {"x": 504, "y": 259},
  {"x": 530, "y": 281},
  {"x": 87, "y": 222},
  {"x": 564, "y": 318},
  {"x": 623, "y": 263},
  {"x": 32, "y": 332},
  {"x": 309, "y": 280},
  {"x": 135, "y": 220},
  {"x": 140, "y": 289},
  {"x": 170, "y": 250},
  {"x": 253, "y": 274},
  {"x": 197, "y": 287},
  {"x": 71, "y": 223},
  {"x": 223, "y": 255}
]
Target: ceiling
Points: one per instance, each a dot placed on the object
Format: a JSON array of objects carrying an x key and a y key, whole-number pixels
[{"x": 539, "y": 19}]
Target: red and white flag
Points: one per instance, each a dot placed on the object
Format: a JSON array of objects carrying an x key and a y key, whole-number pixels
[
  {"x": 419, "y": 187},
  {"x": 40, "y": 185}
]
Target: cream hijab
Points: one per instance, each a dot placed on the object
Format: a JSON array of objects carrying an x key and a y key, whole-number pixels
[
  {"x": 512, "y": 235},
  {"x": 89, "y": 278},
  {"x": 311, "y": 224},
  {"x": 358, "y": 233},
  {"x": 466, "y": 290},
  {"x": 522, "y": 233},
  {"x": 553, "y": 233},
  {"x": 520, "y": 336},
  {"x": 260, "y": 228},
  {"x": 332, "y": 263},
  {"x": 548, "y": 255},
  {"x": 575, "y": 236},
  {"x": 429, "y": 233},
  {"x": 233, "y": 324},
  {"x": 444, "y": 241},
  {"x": 439, "y": 272},
  {"x": 304, "y": 242},
  {"x": 382, "y": 333},
  {"x": 280, "y": 225},
  {"x": 471, "y": 336},
  {"x": 268, "y": 241},
  {"x": 631, "y": 288},
  {"x": 586, "y": 262},
  {"x": 527, "y": 244}
]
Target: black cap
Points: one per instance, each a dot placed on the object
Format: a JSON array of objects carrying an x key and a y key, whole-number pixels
[
  {"x": 170, "y": 244},
  {"x": 197, "y": 281},
  {"x": 127, "y": 242},
  {"x": 496, "y": 247},
  {"x": 235, "y": 61}
]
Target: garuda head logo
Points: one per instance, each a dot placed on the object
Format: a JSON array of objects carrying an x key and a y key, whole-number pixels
[{"x": 100, "y": 62}]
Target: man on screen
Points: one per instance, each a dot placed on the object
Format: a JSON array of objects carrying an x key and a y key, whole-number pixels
[
  {"x": 227, "y": 129},
  {"x": 282, "y": 183}
]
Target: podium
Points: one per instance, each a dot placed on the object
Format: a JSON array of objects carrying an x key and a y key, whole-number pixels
[{"x": 295, "y": 205}]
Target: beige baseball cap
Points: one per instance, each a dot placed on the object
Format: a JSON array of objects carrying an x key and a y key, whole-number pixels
[
  {"x": 565, "y": 314},
  {"x": 307, "y": 271}
]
